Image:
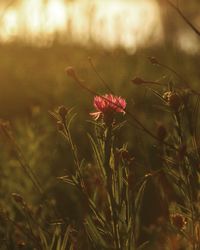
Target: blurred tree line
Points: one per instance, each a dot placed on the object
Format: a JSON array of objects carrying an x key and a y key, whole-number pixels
[{"x": 172, "y": 22}]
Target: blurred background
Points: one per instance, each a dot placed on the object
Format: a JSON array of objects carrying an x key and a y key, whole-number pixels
[{"x": 40, "y": 38}]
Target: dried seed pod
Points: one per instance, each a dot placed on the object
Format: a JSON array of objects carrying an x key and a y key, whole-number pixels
[
  {"x": 62, "y": 111},
  {"x": 178, "y": 221},
  {"x": 173, "y": 100}
]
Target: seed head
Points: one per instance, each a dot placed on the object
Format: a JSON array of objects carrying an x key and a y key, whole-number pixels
[
  {"x": 178, "y": 221},
  {"x": 173, "y": 99}
]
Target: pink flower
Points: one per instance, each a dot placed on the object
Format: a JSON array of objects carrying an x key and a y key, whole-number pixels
[{"x": 107, "y": 105}]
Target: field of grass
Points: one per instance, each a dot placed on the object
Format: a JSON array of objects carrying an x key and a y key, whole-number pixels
[{"x": 69, "y": 182}]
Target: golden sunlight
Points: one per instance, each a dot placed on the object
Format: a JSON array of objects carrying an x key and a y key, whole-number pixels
[{"x": 110, "y": 23}]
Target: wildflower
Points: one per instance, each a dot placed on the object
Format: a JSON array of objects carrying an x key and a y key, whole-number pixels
[{"x": 107, "y": 105}]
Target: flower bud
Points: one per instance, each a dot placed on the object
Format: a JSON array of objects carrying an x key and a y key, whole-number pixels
[
  {"x": 62, "y": 111},
  {"x": 138, "y": 81},
  {"x": 18, "y": 198}
]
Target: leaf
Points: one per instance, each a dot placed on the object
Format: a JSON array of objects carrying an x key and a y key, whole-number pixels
[
  {"x": 43, "y": 240},
  {"x": 66, "y": 238},
  {"x": 98, "y": 157},
  {"x": 143, "y": 245},
  {"x": 138, "y": 202},
  {"x": 94, "y": 234}
]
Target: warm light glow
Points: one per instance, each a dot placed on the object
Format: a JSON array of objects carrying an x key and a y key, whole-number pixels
[
  {"x": 9, "y": 27},
  {"x": 56, "y": 16},
  {"x": 188, "y": 41},
  {"x": 110, "y": 23}
]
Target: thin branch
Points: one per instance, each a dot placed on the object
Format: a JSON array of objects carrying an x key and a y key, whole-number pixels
[
  {"x": 189, "y": 23},
  {"x": 99, "y": 76}
]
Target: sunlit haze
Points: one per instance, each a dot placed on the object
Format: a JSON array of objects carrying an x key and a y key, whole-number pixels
[{"x": 110, "y": 23}]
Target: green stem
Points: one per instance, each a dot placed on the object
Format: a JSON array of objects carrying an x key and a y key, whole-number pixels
[
  {"x": 179, "y": 128},
  {"x": 113, "y": 208}
]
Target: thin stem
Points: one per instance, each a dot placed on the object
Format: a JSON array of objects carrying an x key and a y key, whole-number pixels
[
  {"x": 107, "y": 149},
  {"x": 99, "y": 76},
  {"x": 174, "y": 72},
  {"x": 187, "y": 21},
  {"x": 74, "y": 152},
  {"x": 186, "y": 175}
]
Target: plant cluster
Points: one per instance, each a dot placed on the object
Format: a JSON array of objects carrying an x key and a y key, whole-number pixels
[{"x": 111, "y": 191}]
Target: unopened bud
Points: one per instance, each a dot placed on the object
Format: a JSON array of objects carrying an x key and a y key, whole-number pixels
[
  {"x": 18, "y": 198},
  {"x": 62, "y": 111},
  {"x": 138, "y": 81},
  {"x": 70, "y": 71}
]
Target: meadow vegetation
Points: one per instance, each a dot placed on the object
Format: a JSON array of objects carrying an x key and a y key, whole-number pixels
[{"x": 128, "y": 179}]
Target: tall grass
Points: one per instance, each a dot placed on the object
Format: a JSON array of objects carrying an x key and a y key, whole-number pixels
[{"x": 124, "y": 181}]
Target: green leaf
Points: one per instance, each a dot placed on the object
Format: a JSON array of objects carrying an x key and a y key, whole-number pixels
[{"x": 94, "y": 233}]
